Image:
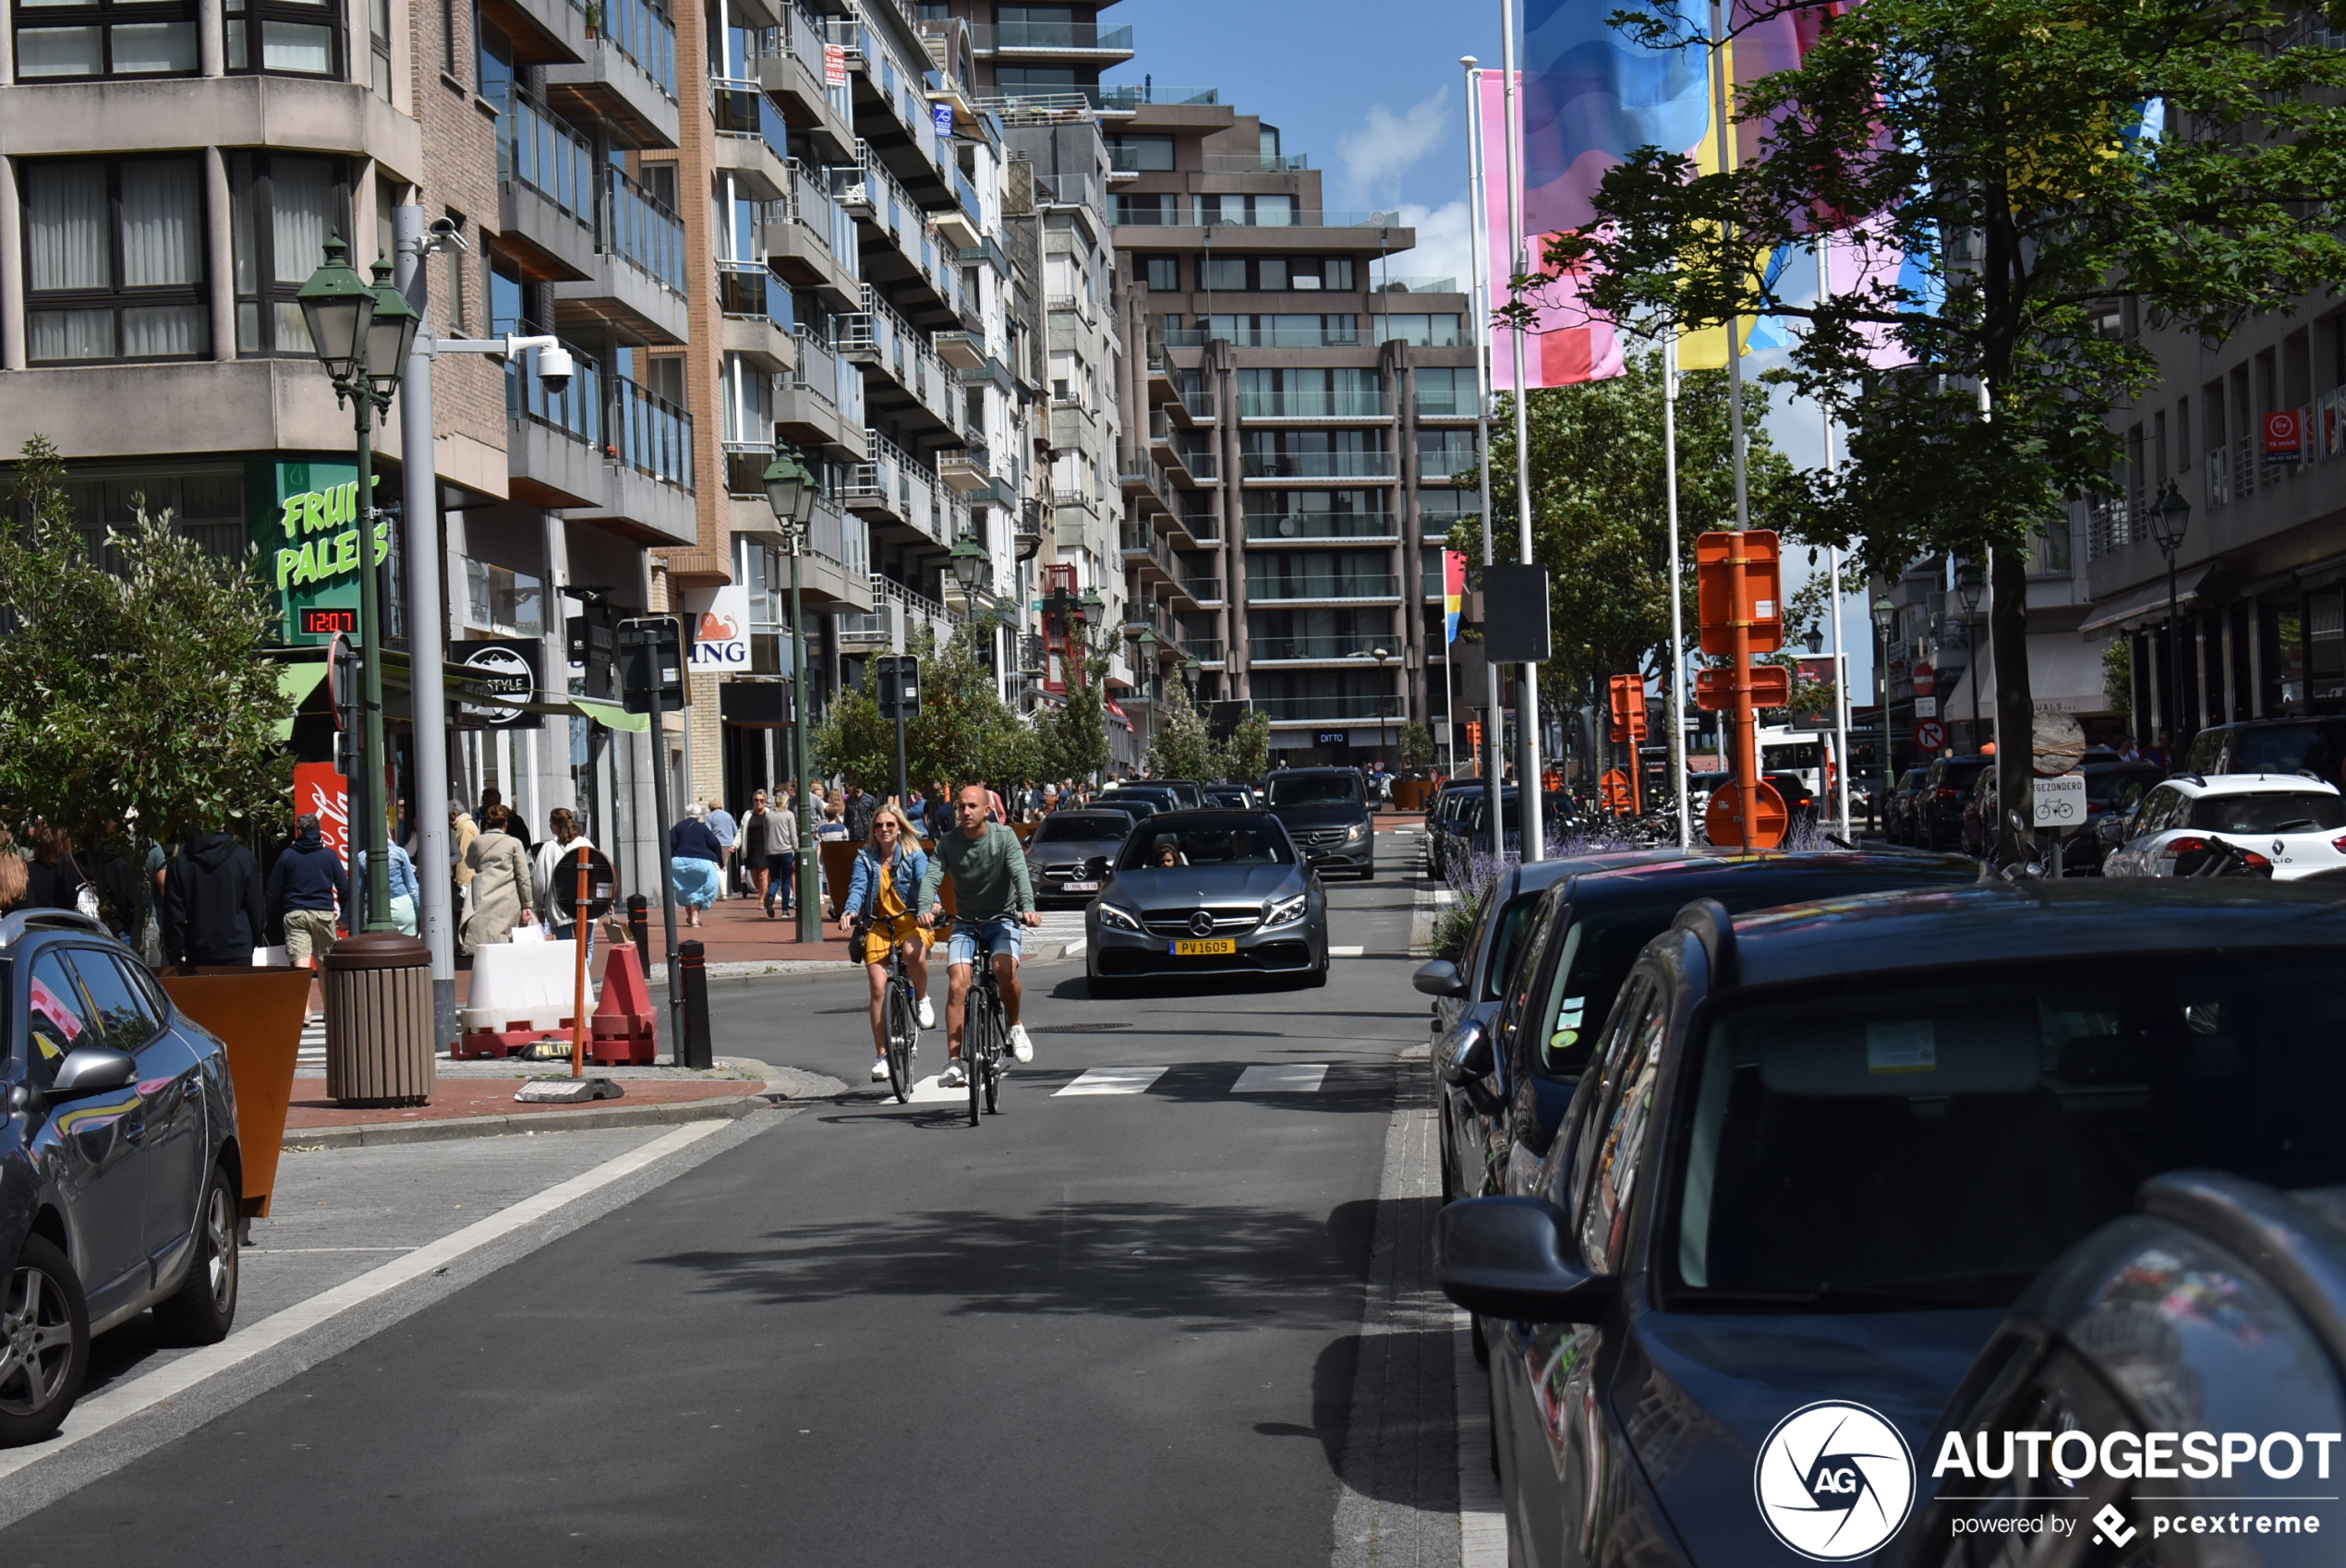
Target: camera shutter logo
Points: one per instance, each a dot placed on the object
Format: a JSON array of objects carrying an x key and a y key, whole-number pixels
[{"x": 1834, "y": 1481}]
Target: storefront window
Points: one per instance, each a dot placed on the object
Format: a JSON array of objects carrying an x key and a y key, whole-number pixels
[{"x": 501, "y": 602}]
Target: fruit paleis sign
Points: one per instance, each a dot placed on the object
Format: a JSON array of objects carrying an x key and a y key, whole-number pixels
[{"x": 303, "y": 519}]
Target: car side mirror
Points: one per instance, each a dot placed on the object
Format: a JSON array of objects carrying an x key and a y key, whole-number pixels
[
  {"x": 1507, "y": 1257},
  {"x": 1467, "y": 1054},
  {"x": 94, "y": 1069},
  {"x": 1439, "y": 978}
]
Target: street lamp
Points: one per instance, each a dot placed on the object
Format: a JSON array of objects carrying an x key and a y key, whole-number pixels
[
  {"x": 1885, "y": 612},
  {"x": 791, "y": 491},
  {"x": 2170, "y": 515},
  {"x": 973, "y": 566},
  {"x": 1380, "y": 655},
  {"x": 1967, "y": 586},
  {"x": 361, "y": 332}
]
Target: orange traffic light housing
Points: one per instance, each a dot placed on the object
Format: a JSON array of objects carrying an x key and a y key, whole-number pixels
[{"x": 1739, "y": 602}]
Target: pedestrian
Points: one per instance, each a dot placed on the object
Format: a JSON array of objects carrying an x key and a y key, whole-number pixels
[
  {"x": 504, "y": 893},
  {"x": 461, "y": 831},
  {"x": 404, "y": 889},
  {"x": 729, "y": 833},
  {"x": 2158, "y": 750},
  {"x": 212, "y": 911},
  {"x": 861, "y": 806},
  {"x": 55, "y": 878},
  {"x": 834, "y": 823},
  {"x": 306, "y": 887},
  {"x": 757, "y": 832},
  {"x": 695, "y": 855},
  {"x": 117, "y": 882},
  {"x": 782, "y": 856},
  {"x": 554, "y": 883},
  {"x": 12, "y": 880}
]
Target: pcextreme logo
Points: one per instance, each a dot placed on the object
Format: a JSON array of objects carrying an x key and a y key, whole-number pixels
[{"x": 1834, "y": 1480}]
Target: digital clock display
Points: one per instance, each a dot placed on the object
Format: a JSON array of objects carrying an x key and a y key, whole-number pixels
[{"x": 326, "y": 622}]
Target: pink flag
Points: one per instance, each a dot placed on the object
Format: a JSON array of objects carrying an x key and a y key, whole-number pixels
[{"x": 1571, "y": 343}]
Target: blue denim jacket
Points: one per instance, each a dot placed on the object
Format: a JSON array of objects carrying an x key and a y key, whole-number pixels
[{"x": 910, "y": 866}]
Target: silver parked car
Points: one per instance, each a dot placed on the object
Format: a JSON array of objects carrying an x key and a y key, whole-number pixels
[
  {"x": 1208, "y": 893},
  {"x": 120, "y": 1177},
  {"x": 1070, "y": 853}
]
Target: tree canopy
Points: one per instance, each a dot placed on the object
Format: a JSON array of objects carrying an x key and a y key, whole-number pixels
[{"x": 964, "y": 730}]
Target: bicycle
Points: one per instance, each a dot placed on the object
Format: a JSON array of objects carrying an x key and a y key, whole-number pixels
[
  {"x": 982, "y": 1037},
  {"x": 898, "y": 1015}
]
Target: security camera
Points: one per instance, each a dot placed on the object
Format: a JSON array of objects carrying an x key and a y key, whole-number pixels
[
  {"x": 554, "y": 370},
  {"x": 446, "y": 228}
]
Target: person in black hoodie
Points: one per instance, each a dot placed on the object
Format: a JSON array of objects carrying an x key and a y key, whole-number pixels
[
  {"x": 305, "y": 887},
  {"x": 211, "y": 907}
]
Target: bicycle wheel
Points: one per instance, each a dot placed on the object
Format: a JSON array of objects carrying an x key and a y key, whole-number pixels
[
  {"x": 904, "y": 1028},
  {"x": 999, "y": 1037},
  {"x": 976, "y": 1050}
]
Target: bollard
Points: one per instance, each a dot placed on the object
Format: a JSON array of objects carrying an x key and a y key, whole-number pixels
[
  {"x": 639, "y": 928},
  {"x": 695, "y": 1050}
]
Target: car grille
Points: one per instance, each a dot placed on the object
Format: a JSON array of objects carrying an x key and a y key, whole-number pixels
[
  {"x": 1065, "y": 871},
  {"x": 1321, "y": 837},
  {"x": 1226, "y": 922}
]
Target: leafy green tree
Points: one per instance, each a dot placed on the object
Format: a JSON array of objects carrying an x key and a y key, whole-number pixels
[
  {"x": 1246, "y": 753},
  {"x": 1417, "y": 745},
  {"x": 1071, "y": 739},
  {"x": 2002, "y": 148},
  {"x": 133, "y": 687},
  {"x": 1600, "y": 514},
  {"x": 1180, "y": 745},
  {"x": 964, "y": 730}
]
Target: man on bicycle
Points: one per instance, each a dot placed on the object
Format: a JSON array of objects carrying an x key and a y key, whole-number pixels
[{"x": 992, "y": 898}]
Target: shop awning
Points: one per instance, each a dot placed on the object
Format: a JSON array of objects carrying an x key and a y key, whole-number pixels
[
  {"x": 295, "y": 682},
  {"x": 2146, "y": 602},
  {"x": 611, "y": 715}
]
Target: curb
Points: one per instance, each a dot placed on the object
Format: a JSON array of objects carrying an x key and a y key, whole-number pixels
[{"x": 586, "y": 1118}]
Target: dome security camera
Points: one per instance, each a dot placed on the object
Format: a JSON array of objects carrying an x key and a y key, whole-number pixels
[{"x": 555, "y": 370}]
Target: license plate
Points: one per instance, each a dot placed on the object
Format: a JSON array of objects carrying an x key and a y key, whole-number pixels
[
  {"x": 1082, "y": 887},
  {"x": 1207, "y": 948}
]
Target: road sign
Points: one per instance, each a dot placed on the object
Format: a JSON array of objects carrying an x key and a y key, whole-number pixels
[
  {"x": 1627, "y": 693},
  {"x": 1926, "y": 708},
  {"x": 1926, "y": 679},
  {"x": 651, "y": 656},
  {"x": 2057, "y": 744},
  {"x": 896, "y": 685},
  {"x": 1770, "y": 687},
  {"x": 1516, "y": 629},
  {"x": 1715, "y": 589},
  {"x": 1723, "y": 820},
  {"x": 1614, "y": 789},
  {"x": 601, "y": 886},
  {"x": 2061, "y": 802},
  {"x": 1931, "y": 734}
]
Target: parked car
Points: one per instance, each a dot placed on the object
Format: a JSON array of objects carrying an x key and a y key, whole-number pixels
[
  {"x": 1326, "y": 810},
  {"x": 2115, "y": 825},
  {"x": 1799, "y": 799},
  {"x": 1207, "y": 893},
  {"x": 1821, "y": 1152},
  {"x": 1233, "y": 797},
  {"x": 2289, "y": 820},
  {"x": 1069, "y": 855},
  {"x": 2116, "y": 1339},
  {"x": 1188, "y": 793},
  {"x": 1556, "y": 816},
  {"x": 1939, "y": 802},
  {"x": 120, "y": 1184},
  {"x": 1898, "y": 818},
  {"x": 1442, "y": 818},
  {"x": 2081, "y": 852},
  {"x": 1159, "y": 796},
  {"x": 2312, "y": 745},
  {"x": 1130, "y": 806}
]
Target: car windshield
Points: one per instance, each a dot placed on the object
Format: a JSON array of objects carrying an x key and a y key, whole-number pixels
[
  {"x": 2282, "y": 749},
  {"x": 1936, "y": 1145},
  {"x": 1067, "y": 826},
  {"x": 1554, "y": 806},
  {"x": 1214, "y": 841},
  {"x": 1514, "y": 922},
  {"x": 1130, "y": 806},
  {"x": 2274, "y": 811},
  {"x": 2103, "y": 789},
  {"x": 1316, "y": 789}
]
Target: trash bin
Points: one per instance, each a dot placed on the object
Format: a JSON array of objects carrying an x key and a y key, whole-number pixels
[{"x": 378, "y": 1022}]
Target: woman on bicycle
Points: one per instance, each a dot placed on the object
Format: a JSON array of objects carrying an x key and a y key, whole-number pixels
[{"x": 881, "y": 896}]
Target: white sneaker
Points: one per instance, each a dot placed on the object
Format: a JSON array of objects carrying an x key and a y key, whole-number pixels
[
  {"x": 1021, "y": 1048},
  {"x": 953, "y": 1077},
  {"x": 879, "y": 1069},
  {"x": 928, "y": 1015}
]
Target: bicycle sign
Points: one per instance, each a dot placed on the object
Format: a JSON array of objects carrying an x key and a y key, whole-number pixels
[{"x": 2061, "y": 802}]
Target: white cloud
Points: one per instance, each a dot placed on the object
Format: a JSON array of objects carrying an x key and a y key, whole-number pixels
[
  {"x": 1372, "y": 158},
  {"x": 1444, "y": 248}
]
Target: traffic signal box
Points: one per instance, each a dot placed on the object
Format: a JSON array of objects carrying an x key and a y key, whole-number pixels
[
  {"x": 1739, "y": 601},
  {"x": 1627, "y": 699}
]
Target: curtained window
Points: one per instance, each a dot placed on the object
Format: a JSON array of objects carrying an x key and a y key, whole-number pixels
[
  {"x": 299, "y": 38},
  {"x": 66, "y": 40},
  {"x": 114, "y": 260},
  {"x": 284, "y": 209}
]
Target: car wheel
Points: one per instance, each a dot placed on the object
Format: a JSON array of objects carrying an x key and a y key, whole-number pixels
[
  {"x": 44, "y": 1343},
  {"x": 204, "y": 1307}
]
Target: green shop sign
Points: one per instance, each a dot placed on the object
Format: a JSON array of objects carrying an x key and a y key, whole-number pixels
[{"x": 304, "y": 522}]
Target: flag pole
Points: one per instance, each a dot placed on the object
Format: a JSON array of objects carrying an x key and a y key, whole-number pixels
[
  {"x": 1832, "y": 566},
  {"x": 1527, "y": 690},
  {"x": 1477, "y": 239},
  {"x": 1677, "y": 588}
]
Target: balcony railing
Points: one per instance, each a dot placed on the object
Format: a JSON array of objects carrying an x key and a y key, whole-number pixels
[
  {"x": 1322, "y": 525},
  {"x": 746, "y": 288},
  {"x": 544, "y": 153},
  {"x": 1051, "y": 35},
  {"x": 1127, "y": 96},
  {"x": 1073, "y": 190},
  {"x": 897, "y": 480},
  {"x": 1315, "y": 586},
  {"x": 1339, "y": 646},
  {"x": 867, "y": 188},
  {"x": 638, "y": 227},
  {"x": 1310, "y": 403},
  {"x": 745, "y": 466},
  {"x": 1318, "y": 464},
  {"x": 1206, "y": 650},
  {"x": 1363, "y": 706},
  {"x": 1445, "y": 462},
  {"x": 803, "y": 37},
  {"x": 576, "y": 411},
  {"x": 1417, "y": 285},
  {"x": 1145, "y": 211},
  {"x": 1342, "y": 334},
  {"x": 741, "y": 108},
  {"x": 650, "y": 434},
  {"x": 642, "y": 32},
  {"x": 1254, "y": 163},
  {"x": 807, "y": 203},
  {"x": 904, "y": 353},
  {"x": 1202, "y": 588}
]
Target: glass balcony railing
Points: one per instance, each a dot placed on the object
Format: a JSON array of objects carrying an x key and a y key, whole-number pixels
[
  {"x": 542, "y": 152},
  {"x": 1322, "y": 525},
  {"x": 1318, "y": 585},
  {"x": 745, "y": 466},
  {"x": 1340, "y": 332},
  {"x": 1205, "y": 590},
  {"x": 741, "y": 108},
  {"x": 1445, "y": 463},
  {"x": 1366, "y": 704},
  {"x": 1206, "y": 650},
  {"x": 638, "y": 227},
  {"x": 576, "y": 411},
  {"x": 1308, "y": 404},
  {"x": 1340, "y": 646},
  {"x": 1052, "y": 35},
  {"x": 1127, "y": 95},
  {"x": 1319, "y": 465},
  {"x": 639, "y": 30},
  {"x": 746, "y": 288},
  {"x": 650, "y": 434}
]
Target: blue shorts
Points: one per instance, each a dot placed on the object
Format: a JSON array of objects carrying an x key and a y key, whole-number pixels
[{"x": 999, "y": 936}]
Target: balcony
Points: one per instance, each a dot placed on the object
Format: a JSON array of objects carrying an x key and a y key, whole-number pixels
[
  {"x": 962, "y": 350},
  {"x": 892, "y": 113},
  {"x": 1206, "y": 650},
  {"x": 791, "y": 68},
  {"x": 820, "y": 401},
  {"x": 1445, "y": 462},
  {"x": 604, "y": 449},
  {"x": 1203, "y": 590},
  {"x": 1127, "y": 97},
  {"x": 1143, "y": 480},
  {"x": 897, "y": 488},
  {"x": 963, "y": 224},
  {"x": 902, "y": 251},
  {"x": 1084, "y": 43},
  {"x": 628, "y": 75},
  {"x": 1309, "y": 710},
  {"x": 809, "y": 239},
  {"x": 1318, "y": 464},
  {"x": 1322, "y": 525},
  {"x": 637, "y": 283},
  {"x": 968, "y": 469},
  {"x": 901, "y": 620},
  {"x": 750, "y": 140},
  {"x": 1279, "y": 404},
  {"x": 545, "y": 193},
  {"x": 1344, "y": 332},
  {"x": 745, "y": 295},
  {"x": 914, "y": 384},
  {"x": 1355, "y": 646},
  {"x": 1146, "y": 212},
  {"x": 1321, "y": 588}
]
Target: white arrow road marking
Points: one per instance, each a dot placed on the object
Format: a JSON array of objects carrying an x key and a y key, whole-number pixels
[
  {"x": 1113, "y": 1081},
  {"x": 1281, "y": 1078}
]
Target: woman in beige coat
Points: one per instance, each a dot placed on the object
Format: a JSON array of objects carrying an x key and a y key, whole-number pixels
[{"x": 502, "y": 882}]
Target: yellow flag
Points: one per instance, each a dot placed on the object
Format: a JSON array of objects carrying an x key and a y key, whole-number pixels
[{"x": 1705, "y": 348}]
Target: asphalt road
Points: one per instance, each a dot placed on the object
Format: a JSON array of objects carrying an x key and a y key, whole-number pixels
[{"x": 1102, "y": 1328}]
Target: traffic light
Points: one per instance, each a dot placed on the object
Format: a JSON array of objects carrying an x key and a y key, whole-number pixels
[
  {"x": 896, "y": 685},
  {"x": 1474, "y": 733},
  {"x": 651, "y": 658}
]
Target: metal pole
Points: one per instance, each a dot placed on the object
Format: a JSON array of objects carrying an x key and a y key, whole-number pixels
[
  {"x": 810, "y": 875},
  {"x": 371, "y": 645},
  {"x": 1745, "y": 744},
  {"x": 1882, "y": 675},
  {"x": 657, "y": 655},
  {"x": 1487, "y": 761},
  {"x": 1677, "y": 590},
  {"x": 1535, "y": 846},
  {"x": 1832, "y": 569},
  {"x": 426, "y": 628},
  {"x": 2171, "y": 714}
]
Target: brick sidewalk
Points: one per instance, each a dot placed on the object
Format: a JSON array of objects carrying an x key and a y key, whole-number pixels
[{"x": 736, "y": 931}]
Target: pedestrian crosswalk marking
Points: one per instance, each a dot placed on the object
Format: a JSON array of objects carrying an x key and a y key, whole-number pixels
[
  {"x": 1354, "y": 951},
  {"x": 928, "y": 1092},
  {"x": 1112, "y": 1081},
  {"x": 1282, "y": 1078}
]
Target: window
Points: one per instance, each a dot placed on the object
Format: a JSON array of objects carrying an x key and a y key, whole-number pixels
[
  {"x": 1424, "y": 331},
  {"x": 1615, "y": 1139},
  {"x": 297, "y": 38},
  {"x": 58, "y": 1021},
  {"x": 1445, "y": 390},
  {"x": 1224, "y": 272},
  {"x": 1152, "y": 209},
  {"x": 102, "y": 38},
  {"x": 492, "y": 62},
  {"x": 503, "y": 602},
  {"x": 114, "y": 260},
  {"x": 1229, "y": 206},
  {"x": 1142, "y": 155},
  {"x": 284, "y": 209},
  {"x": 379, "y": 48},
  {"x": 1163, "y": 273},
  {"x": 126, "y": 1020}
]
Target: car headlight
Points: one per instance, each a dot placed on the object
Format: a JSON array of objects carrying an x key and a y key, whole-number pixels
[
  {"x": 1356, "y": 832},
  {"x": 1286, "y": 912},
  {"x": 1122, "y": 919}
]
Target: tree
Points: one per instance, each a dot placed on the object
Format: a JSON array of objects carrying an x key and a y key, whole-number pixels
[
  {"x": 133, "y": 687},
  {"x": 1180, "y": 746},
  {"x": 1246, "y": 754},
  {"x": 1071, "y": 739},
  {"x": 1417, "y": 745},
  {"x": 2053, "y": 174},
  {"x": 1600, "y": 514},
  {"x": 964, "y": 730}
]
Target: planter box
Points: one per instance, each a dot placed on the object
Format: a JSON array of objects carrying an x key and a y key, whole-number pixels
[{"x": 258, "y": 1014}]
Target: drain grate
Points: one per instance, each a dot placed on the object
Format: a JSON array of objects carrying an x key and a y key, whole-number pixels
[{"x": 1077, "y": 1028}]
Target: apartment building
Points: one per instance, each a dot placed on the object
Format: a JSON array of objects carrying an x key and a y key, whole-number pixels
[
  {"x": 168, "y": 181},
  {"x": 1294, "y": 416}
]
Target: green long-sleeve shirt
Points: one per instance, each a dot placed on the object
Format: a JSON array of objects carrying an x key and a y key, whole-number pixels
[{"x": 989, "y": 875}]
